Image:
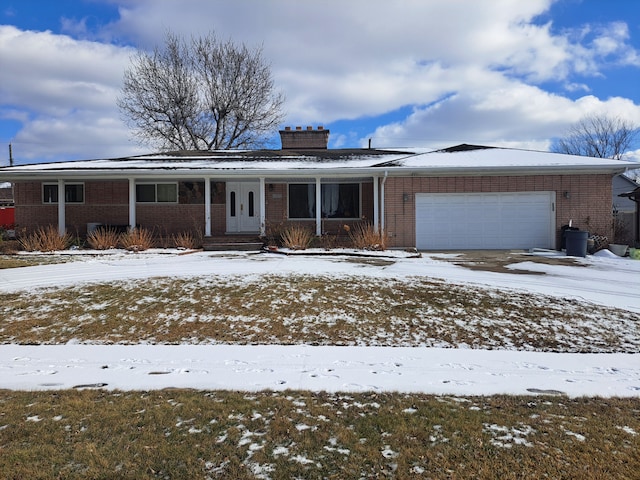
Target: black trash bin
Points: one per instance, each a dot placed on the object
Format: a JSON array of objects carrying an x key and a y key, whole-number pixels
[
  {"x": 563, "y": 235},
  {"x": 576, "y": 243}
]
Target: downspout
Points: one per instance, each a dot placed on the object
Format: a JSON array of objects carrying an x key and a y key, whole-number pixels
[{"x": 384, "y": 180}]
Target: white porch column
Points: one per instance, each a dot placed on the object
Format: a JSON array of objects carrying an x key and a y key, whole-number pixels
[
  {"x": 207, "y": 207},
  {"x": 132, "y": 203},
  {"x": 376, "y": 203},
  {"x": 384, "y": 180},
  {"x": 263, "y": 208},
  {"x": 318, "y": 207},
  {"x": 62, "y": 220}
]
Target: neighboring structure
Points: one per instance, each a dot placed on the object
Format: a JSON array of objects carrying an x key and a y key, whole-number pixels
[
  {"x": 464, "y": 197},
  {"x": 7, "y": 210},
  {"x": 625, "y": 210},
  {"x": 6, "y": 194}
]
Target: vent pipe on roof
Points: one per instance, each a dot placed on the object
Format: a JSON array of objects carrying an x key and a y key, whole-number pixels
[{"x": 10, "y": 156}]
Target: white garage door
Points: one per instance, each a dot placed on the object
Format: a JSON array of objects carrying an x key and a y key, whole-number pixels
[{"x": 447, "y": 221}]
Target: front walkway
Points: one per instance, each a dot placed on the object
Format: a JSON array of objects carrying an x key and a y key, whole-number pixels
[{"x": 334, "y": 369}]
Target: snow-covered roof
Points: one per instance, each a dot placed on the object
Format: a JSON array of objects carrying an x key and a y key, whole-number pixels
[
  {"x": 459, "y": 160},
  {"x": 478, "y": 158}
]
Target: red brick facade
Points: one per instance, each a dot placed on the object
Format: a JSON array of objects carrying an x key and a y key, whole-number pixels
[
  {"x": 589, "y": 205},
  {"x": 107, "y": 202}
]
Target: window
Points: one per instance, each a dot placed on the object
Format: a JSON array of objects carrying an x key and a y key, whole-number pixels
[
  {"x": 157, "y": 192},
  {"x": 73, "y": 193},
  {"x": 232, "y": 203},
  {"x": 338, "y": 200},
  {"x": 341, "y": 200},
  {"x": 302, "y": 200}
]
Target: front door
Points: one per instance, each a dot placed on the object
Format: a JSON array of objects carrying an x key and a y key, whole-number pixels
[{"x": 243, "y": 207}]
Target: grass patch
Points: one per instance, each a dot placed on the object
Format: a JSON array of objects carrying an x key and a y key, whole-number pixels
[
  {"x": 302, "y": 309},
  {"x": 189, "y": 434},
  {"x": 16, "y": 261}
]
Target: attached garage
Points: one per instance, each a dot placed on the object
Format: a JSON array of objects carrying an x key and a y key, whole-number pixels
[{"x": 453, "y": 221}]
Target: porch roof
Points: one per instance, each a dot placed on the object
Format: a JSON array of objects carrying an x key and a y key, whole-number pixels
[{"x": 215, "y": 163}]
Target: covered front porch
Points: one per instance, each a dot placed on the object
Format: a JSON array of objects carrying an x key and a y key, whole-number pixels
[{"x": 222, "y": 206}]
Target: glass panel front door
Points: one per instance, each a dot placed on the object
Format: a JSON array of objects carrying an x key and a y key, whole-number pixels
[{"x": 243, "y": 208}]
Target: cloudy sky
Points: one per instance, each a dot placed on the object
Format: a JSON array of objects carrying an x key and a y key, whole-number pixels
[{"x": 403, "y": 73}]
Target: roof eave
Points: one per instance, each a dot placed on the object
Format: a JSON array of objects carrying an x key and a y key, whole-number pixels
[
  {"x": 503, "y": 171},
  {"x": 398, "y": 171}
]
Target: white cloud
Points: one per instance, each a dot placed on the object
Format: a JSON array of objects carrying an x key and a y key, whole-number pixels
[
  {"x": 63, "y": 91},
  {"x": 472, "y": 71}
]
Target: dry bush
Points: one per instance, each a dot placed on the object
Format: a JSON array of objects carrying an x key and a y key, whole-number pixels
[
  {"x": 296, "y": 237},
  {"x": 9, "y": 246},
  {"x": 137, "y": 240},
  {"x": 186, "y": 240},
  {"x": 273, "y": 234},
  {"x": 103, "y": 239},
  {"x": 329, "y": 241},
  {"x": 45, "y": 239},
  {"x": 365, "y": 236}
]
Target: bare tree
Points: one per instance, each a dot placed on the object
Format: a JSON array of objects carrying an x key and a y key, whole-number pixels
[
  {"x": 598, "y": 136},
  {"x": 202, "y": 95}
]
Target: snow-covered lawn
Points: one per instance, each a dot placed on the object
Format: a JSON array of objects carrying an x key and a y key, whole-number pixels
[{"x": 597, "y": 281}]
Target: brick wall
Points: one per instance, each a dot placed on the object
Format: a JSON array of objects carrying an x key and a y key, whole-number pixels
[
  {"x": 105, "y": 202},
  {"x": 589, "y": 205}
]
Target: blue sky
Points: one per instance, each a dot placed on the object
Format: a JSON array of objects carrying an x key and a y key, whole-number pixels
[{"x": 403, "y": 74}]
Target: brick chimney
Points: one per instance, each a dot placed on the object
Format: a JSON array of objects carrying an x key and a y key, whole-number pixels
[{"x": 308, "y": 139}]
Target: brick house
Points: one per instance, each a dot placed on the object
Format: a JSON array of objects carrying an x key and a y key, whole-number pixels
[{"x": 463, "y": 197}]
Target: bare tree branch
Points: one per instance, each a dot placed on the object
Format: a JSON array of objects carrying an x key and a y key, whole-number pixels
[
  {"x": 598, "y": 136},
  {"x": 205, "y": 95}
]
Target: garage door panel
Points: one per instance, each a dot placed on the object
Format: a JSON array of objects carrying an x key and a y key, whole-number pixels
[{"x": 485, "y": 220}]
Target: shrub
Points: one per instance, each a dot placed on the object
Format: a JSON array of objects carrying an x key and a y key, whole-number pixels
[
  {"x": 137, "y": 240},
  {"x": 9, "y": 246},
  {"x": 45, "y": 239},
  {"x": 103, "y": 239},
  {"x": 186, "y": 240},
  {"x": 365, "y": 236},
  {"x": 329, "y": 241},
  {"x": 273, "y": 234},
  {"x": 296, "y": 237}
]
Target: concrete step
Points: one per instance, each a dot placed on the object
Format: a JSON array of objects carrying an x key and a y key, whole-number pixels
[{"x": 220, "y": 244}]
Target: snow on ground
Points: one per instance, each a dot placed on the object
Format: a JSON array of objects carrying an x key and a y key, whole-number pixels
[
  {"x": 333, "y": 369},
  {"x": 602, "y": 280}
]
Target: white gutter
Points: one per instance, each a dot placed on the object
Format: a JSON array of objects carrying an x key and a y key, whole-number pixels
[{"x": 14, "y": 173}]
